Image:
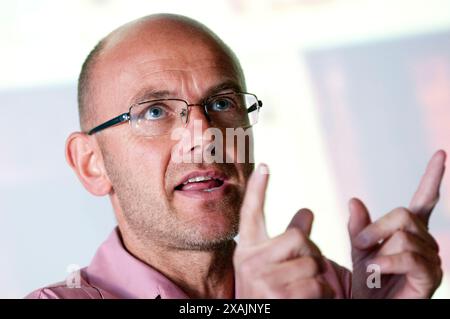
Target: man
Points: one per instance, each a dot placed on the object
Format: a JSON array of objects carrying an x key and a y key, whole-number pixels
[{"x": 177, "y": 220}]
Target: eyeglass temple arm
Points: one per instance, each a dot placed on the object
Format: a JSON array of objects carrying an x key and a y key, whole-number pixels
[
  {"x": 255, "y": 106},
  {"x": 117, "y": 120}
]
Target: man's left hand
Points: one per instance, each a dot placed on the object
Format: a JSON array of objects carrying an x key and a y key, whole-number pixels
[{"x": 399, "y": 243}]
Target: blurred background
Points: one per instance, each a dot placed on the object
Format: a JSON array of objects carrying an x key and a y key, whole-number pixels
[{"x": 356, "y": 99}]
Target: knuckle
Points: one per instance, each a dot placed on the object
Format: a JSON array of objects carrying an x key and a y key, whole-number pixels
[
  {"x": 310, "y": 264},
  {"x": 403, "y": 215},
  {"x": 297, "y": 235}
]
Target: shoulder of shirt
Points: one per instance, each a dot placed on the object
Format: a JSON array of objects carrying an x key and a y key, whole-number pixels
[
  {"x": 62, "y": 291},
  {"x": 69, "y": 289}
]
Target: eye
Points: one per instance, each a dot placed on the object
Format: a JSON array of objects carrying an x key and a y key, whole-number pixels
[
  {"x": 155, "y": 112},
  {"x": 221, "y": 104}
]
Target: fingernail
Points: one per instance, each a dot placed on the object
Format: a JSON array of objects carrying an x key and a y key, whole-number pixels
[{"x": 263, "y": 169}]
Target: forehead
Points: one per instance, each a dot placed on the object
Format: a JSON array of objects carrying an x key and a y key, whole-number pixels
[
  {"x": 175, "y": 74},
  {"x": 176, "y": 63}
]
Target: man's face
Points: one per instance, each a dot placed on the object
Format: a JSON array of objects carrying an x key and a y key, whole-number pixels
[{"x": 147, "y": 181}]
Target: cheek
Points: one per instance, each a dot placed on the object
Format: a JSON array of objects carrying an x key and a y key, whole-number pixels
[
  {"x": 151, "y": 158},
  {"x": 244, "y": 172}
]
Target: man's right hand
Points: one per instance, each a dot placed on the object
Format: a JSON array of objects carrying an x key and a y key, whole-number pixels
[{"x": 287, "y": 266}]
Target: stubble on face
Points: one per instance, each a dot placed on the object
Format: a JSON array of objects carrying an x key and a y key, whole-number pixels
[{"x": 155, "y": 219}]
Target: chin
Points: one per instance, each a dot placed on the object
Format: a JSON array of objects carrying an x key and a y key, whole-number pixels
[
  {"x": 208, "y": 223},
  {"x": 215, "y": 229},
  {"x": 211, "y": 234}
]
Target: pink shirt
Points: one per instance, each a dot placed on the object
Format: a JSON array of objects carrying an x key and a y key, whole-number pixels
[{"x": 115, "y": 273}]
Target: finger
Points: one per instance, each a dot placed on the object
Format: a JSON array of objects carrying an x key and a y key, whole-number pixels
[
  {"x": 406, "y": 263},
  {"x": 293, "y": 243},
  {"x": 406, "y": 242},
  {"x": 295, "y": 269},
  {"x": 398, "y": 219},
  {"x": 359, "y": 218},
  {"x": 303, "y": 219},
  {"x": 252, "y": 228},
  {"x": 313, "y": 288},
  {"x": 427, "y": 193}
]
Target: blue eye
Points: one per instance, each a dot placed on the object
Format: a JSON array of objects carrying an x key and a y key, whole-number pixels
[
  {"x": 154, "y": 113},
  {"x": 221, "y": 104}
]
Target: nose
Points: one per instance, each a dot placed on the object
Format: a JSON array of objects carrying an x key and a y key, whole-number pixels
[
  {"x": 196, "y": 145},
  {"x": 198, "y": 123}
]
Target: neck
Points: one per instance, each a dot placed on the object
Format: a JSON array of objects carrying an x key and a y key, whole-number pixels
[{"x": 200, "y": 274}]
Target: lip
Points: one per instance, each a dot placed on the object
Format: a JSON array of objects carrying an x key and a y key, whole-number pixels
[
  {"x": 208, "y": 173},
  {"x": 214, "y": 194}
]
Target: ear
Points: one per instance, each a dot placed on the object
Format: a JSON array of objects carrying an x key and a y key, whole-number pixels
[{"x": 85, "y": 158}]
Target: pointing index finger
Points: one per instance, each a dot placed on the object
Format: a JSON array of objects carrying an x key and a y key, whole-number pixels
[
  {"x": 252, "y": 227},
  {"x": 427, "y": 193}
]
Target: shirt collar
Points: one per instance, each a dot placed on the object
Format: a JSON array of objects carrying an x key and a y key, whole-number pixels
[{"x": 115, "y": 270}]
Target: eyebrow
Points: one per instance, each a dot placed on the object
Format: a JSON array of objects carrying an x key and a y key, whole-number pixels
[
  {"x": 228, "y": 85},
  {"x": 150, "y": 93}
]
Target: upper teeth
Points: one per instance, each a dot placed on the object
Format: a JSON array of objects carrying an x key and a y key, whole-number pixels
[{"x": 197, "y": 179}]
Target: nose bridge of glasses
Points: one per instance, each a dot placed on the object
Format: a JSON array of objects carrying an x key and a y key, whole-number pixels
[{"x": 200, "y": 111}]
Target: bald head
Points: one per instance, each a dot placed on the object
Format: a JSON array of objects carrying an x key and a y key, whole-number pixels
[{"x": 167, "y": 35}]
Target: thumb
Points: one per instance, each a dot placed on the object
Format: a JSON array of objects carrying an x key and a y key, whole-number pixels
[
  {"x": 303, "y": 219},
  {"x": 359, "y": 218}
]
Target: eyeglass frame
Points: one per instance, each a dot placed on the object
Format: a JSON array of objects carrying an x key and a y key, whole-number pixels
[{"x": 126, "y": 117}]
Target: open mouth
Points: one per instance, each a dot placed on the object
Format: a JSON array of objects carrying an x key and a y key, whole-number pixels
[{"x": 206, "y": 182}]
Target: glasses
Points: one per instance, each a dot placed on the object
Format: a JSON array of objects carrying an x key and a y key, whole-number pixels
[{"x": 162, "y": 116}]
